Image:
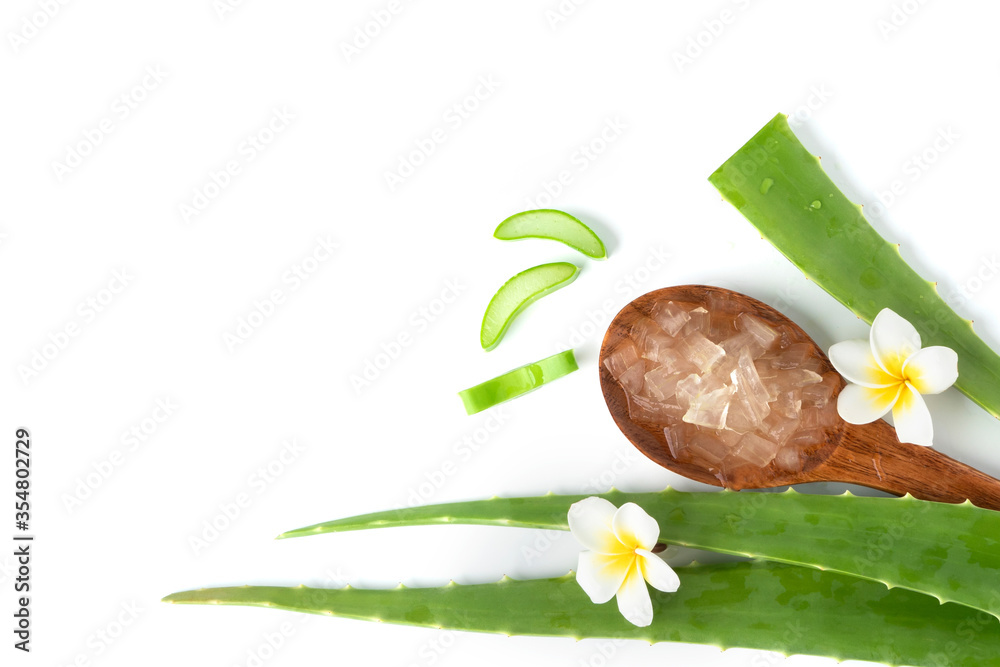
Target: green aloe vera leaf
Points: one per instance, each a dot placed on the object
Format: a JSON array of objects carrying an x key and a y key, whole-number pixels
[
  {"x": 517, "y": 382},
  {"x": 949, "y": 552},
  {"x": 520, "y": 292},
  {"x": 749, "y": 605},
  {"x": 784, "y": 192},
  {"x": 547, "y": 223}
]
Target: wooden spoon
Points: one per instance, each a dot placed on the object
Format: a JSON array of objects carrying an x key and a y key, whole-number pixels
[{"x": 870, "y": 455}]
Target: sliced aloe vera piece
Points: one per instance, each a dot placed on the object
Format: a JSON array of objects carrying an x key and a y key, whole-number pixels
[
  {"x": 783, "y": 191},
  {"x": 517, "y": 382},
  {"x": 949, "y": 552},
  {"x": 750, "y": 605},
  {"x": 520, "y": 292},
  {"x": 548, "y": 223}
]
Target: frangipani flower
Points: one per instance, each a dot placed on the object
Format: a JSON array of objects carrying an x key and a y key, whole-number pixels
[
  {"x": 890, "y": 372},
  {"x": 620, "y": 559}
]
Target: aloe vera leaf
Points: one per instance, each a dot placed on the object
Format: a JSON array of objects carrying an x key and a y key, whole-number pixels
[
  {"x": 520, "y": 292},
  {"x": 750, "y": 605},
  {"x": 517, "y": 382},
  {"x": 548, "y": 223},
  {"x": 784, "y": 192},
  {"x": 949, "y": 552}
]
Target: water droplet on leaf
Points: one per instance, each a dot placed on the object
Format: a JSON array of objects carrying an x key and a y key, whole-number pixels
[{"x": 871, "y": 279}]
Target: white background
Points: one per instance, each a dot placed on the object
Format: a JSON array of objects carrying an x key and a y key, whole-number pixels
[{"x": 867, "y": 96}]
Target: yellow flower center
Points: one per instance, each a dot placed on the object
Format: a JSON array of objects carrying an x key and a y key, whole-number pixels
[{"x": 895, "y": 374}]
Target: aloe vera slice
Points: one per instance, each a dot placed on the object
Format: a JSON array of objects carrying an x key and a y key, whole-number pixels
[
  {"x": 782, "y": 190},
  {"x": 548, "y": 223},
  {"x": 517, "y": 382},
  {"x": 750, "y": 605},
  {"x": 949, "y": 552},
  {"x": 520, "y": 292}
]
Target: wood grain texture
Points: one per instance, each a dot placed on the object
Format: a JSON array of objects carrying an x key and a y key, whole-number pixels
[{"x": 869, "y": 455}]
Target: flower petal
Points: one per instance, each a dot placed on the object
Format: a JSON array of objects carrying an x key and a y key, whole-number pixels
[
  {"x": 634, "y": 528},
  {"x": 590, "y": 521},
  {"x": 862, "y": 405},
  {"x": 633, "y": 599},
  {"x": 913, "y": 419},
  {"x": 600, "y": 575},
  {"x": 893, "y": 340},
  {"x": 854, "y": 360},
  {"x": 932, "y": 369},
  {"x": 656, "y": 571}
]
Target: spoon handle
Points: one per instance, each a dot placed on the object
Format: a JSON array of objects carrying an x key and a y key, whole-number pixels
[{"x": 872, "y": 455}]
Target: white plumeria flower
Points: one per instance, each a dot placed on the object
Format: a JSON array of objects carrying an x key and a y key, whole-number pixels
[
  {"x": 620, "y": 559},
  {"x": 890, "y": 372}
]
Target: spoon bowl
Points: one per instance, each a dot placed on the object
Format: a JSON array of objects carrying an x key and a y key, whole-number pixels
[{"x": 869, "y": 455}]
